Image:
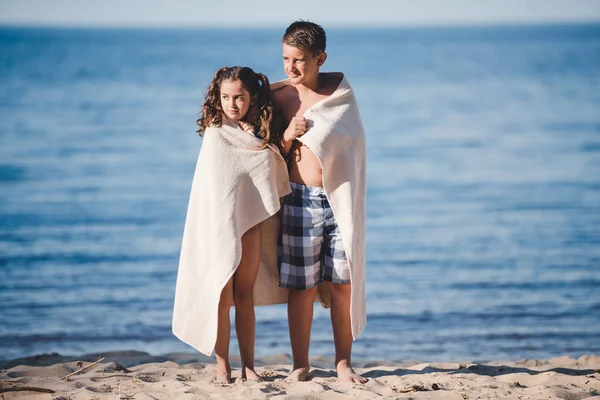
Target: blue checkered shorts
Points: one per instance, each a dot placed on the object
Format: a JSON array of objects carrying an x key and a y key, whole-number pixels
[{"x": 310, "y": 245}]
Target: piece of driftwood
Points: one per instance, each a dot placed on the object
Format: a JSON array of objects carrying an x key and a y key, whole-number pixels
[
  {"x": 82, "y": 369},
  {"x": 26, "y": 388}
]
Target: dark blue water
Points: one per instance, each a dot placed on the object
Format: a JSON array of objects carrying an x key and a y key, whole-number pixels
[{"x": 483, "y": 187}]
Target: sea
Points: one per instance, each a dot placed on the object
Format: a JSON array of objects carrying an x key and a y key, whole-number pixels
[{"x": 483, "y": 187}]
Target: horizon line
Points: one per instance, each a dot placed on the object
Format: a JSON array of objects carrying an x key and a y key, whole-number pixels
[{"x": 271, "y": 25}]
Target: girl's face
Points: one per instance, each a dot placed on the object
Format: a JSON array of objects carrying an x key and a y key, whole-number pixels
[{"x": 235, "y": 100}]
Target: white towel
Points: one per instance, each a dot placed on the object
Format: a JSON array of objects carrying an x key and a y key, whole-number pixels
[
  {"x": 336, "y": 136},
  {"x": 236, "y": 186}
]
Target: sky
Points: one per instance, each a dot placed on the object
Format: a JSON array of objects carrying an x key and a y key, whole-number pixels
[{"x": 276, "y": 13}]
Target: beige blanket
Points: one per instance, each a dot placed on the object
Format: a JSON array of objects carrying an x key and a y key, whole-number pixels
[
  {"x": 337, "y": 138},
  {"x": 236, "y": 186}
]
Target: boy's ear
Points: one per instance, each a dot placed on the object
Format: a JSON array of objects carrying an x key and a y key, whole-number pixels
[{"x": 321, "y": 59}]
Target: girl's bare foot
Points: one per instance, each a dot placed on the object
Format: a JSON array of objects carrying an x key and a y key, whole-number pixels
[
  {"x": 250, "y": 374},
  {"x": 299, "y": 374},
  {"x": 223, "y": 376},
  {"x": 346, "y": 373}
]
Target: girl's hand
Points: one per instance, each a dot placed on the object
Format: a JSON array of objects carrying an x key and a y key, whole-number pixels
[{"x": 247, "y": 127}]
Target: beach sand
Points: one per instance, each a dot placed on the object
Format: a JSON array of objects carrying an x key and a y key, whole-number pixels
[{"x": 135, "y": 376}]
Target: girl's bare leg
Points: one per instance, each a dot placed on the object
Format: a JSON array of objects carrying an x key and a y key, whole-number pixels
[
  {"x": 223, "y": 335},
  {"x": 243, "y": 292}
]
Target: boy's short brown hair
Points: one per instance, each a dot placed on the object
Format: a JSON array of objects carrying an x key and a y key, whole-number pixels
[{"x": 306, "y": 36}]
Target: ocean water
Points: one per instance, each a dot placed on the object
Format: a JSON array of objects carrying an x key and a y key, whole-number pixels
[{"x": 483, "y": 237}]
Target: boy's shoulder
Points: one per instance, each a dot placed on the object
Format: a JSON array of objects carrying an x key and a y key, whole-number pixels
[
  {"x": 289, "y": 100},
  {"x": 329, "y": 82},
  {"x": 282, "y": 90}
]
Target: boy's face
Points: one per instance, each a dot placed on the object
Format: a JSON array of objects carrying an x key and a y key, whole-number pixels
[{"x": 301, "y": 66}]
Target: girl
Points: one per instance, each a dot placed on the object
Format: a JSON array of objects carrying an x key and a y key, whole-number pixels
[
  {"x": 231, "y": 93},
  {"x": 239, "y": 180}
]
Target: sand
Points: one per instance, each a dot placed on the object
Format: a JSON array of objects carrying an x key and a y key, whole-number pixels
[{"x": 136, "y": 376}]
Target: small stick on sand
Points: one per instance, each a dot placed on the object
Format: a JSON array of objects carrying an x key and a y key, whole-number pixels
[
  {"x": 82, "y": 369},
  {"x": 26, "y": 388}
]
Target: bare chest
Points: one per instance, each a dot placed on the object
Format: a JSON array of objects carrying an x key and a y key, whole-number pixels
[{"x": 296, "y": 106}]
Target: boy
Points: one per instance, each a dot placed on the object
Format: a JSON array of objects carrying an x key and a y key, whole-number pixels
[{"x": 325, "y": 147}]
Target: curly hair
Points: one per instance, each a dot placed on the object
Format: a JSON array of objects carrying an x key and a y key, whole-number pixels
[{"x": 260, "y": 114}]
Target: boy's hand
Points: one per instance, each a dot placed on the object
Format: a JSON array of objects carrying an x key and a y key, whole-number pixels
[
  {"x": 246, "y": 127},
  {"x": 297, "y": 127}
]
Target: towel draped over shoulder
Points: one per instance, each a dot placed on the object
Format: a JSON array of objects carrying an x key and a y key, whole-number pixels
[
  {"x": 337, "y": 137},
  {"x": 237, "y": 184}
]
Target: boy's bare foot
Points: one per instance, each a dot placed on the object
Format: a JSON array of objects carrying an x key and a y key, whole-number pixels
[
  {"x": 346, "y": 373},
  {"x": 250, "y": 375},
  {"x": 299, "y": 374}
]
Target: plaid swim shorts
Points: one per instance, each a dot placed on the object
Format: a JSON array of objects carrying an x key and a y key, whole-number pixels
[{"x": 310, "y": 245}]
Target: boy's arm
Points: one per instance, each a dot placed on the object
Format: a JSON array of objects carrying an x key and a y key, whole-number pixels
[{"x": 296, "y": 128}]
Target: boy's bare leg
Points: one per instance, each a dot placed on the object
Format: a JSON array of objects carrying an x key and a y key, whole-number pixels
[
  {"x": 223, "y": 335},
  {"x": 342, "y": 332},
  {"x": 300, "y": 316},
  {"x": 243, "y": 292}
]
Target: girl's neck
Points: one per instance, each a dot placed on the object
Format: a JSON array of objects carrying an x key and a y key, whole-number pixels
[{"x": 228, "y": 121}]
